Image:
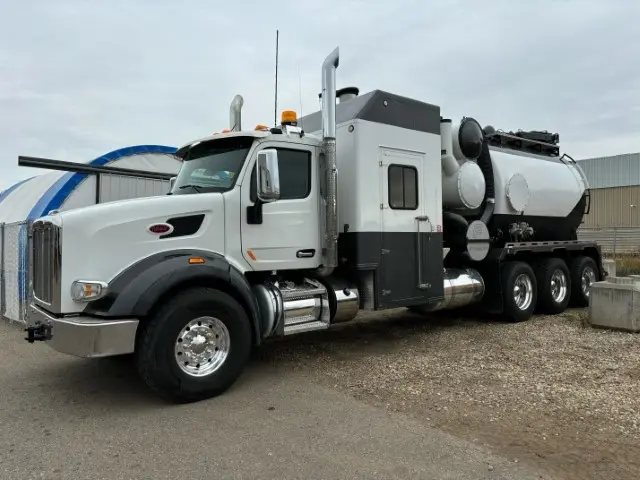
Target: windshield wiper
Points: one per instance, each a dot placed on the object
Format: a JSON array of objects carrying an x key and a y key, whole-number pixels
[{"x": 195, "y": 187}]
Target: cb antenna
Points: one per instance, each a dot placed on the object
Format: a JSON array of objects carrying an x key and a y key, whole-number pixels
[
  {"x": 275, "y": 108},
  {"x": 300, "y": 93}
]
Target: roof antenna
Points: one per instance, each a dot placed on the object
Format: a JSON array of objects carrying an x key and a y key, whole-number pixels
[
  {"x": 300, "y": 93},
  {"x": 275, "y": 112}
]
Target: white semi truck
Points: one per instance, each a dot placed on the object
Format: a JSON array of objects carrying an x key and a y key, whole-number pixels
[{"x": 374, "y": 202}]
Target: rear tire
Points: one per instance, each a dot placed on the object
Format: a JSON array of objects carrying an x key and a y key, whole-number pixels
[
  {"x": 584, "y": 272},
  {"x": 554, "y": 285},
  {"x": 519, "y": 291},
  {"x": 194, "y": 346}
]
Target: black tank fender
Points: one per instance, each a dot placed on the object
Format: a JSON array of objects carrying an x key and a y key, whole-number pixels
[{"x": 135, "y": 290}]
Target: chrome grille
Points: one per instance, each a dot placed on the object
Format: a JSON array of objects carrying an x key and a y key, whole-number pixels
[{"x": 45, "y": 263}]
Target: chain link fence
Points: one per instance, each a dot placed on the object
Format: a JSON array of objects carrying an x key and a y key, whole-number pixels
[
  {"x": 14, "y": 271},
  {"x": 14, "y": 237},
  {"x": 614, "y": 240}
]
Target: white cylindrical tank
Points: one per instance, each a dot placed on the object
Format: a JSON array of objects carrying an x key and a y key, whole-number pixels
[
  {"x": 465, "y": 188},
  {"x": 534, "y": 185},
  {"x": 463, "y": 184}
]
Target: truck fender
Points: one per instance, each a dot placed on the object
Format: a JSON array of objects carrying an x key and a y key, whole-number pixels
[{"x": 137, "y": 289}]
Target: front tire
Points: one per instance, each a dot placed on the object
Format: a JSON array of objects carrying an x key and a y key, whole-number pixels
[
  {"x": 519, "y": 291},
  {"x": 194, "y": 346}
]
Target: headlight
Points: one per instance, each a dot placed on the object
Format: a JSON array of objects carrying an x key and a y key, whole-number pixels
[{"x": 86, "y": 291}]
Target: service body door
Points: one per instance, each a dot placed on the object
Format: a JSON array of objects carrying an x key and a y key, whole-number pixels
[
  {"x": 288, "y": 236},
  {"x": 410, "y": 270}
]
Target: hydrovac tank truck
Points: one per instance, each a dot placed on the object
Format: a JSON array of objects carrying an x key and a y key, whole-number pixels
[{"x": 375, "y": 202}]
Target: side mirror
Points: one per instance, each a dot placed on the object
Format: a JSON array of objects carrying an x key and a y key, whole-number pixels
[
  {"x": 268, "y": 176},
  {"x": 172, "y": 182}
]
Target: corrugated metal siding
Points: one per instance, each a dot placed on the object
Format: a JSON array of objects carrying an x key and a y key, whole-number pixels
[
  {"x": 614, "y": 207},
  {"x": 615, "y": 171},
  {"x": 117, "y": 187},
  {"x": 613, "y": 240}
]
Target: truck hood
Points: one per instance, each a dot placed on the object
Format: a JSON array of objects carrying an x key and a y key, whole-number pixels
[
  {"x": 100, "y": 241},
  {"x": 153, "y": 209}
]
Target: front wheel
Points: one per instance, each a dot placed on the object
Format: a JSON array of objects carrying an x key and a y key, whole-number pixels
[{"x": 195, "y": 346}]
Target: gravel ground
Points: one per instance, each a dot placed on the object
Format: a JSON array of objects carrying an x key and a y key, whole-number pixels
[
  {"x": 66, "y": 418},
  {"x": 549, "y": 391}
]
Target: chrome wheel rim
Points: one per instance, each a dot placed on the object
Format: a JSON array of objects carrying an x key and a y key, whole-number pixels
[
  {"x": 558, "y": 286},
  {"x": 202, "y": 346},
  {"x": 588, "y": 277},
  {"x": 523, "y": 291}
]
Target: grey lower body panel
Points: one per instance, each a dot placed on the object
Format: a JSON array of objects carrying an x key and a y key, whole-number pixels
[
  {"x": 407, "y": 266},
  {"x": 88, "y": 337}
]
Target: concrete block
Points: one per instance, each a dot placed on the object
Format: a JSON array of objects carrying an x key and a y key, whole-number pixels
[
  {"x": 615, "y": 303},
  {"x": 609, "y": 267}
]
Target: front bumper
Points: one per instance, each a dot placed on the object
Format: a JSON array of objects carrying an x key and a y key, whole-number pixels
[{"x": 85, "y": 336}]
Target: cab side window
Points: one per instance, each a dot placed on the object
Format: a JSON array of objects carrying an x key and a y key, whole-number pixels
[
  {"x": 295, "y": 175},
  {"x": 403, "y": 187}
]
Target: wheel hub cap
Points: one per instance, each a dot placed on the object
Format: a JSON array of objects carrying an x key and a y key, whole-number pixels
[
  {"x": 558, "y": 286},
  {"x": 588, "y": 277},
  {"x": 202, "y": 346},
  {"x": 523, "y": 291}
]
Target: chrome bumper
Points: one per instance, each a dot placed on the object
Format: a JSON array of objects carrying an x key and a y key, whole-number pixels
[{"x": 87, "y": 337}]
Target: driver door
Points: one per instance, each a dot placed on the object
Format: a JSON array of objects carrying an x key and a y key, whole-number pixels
[{"x": 286, "y": 235}]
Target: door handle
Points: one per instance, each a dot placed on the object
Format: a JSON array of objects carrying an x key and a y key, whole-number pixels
[
  {"x": 421, "y": 284},
  {"x": 306, "y": 253}
]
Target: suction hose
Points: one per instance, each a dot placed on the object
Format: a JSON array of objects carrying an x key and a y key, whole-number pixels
[
  {"x": 455, "y": 228},
  {"x": 484, "y": 162}
]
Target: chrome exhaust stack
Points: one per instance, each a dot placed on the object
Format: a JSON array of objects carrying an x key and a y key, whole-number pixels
[{"x": 330, "y": 250}]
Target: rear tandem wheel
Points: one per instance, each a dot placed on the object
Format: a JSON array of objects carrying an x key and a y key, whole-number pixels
[
  {"x": 519, "y": 291},
  {"x": 554, "y": 285},
  {"x": 584, "y": 272}
]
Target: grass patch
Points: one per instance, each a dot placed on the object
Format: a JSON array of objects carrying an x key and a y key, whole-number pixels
[{"x": 627, "y": 265}]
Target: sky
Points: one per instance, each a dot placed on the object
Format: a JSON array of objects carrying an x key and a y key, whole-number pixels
[{"x": 80, "y": 78}]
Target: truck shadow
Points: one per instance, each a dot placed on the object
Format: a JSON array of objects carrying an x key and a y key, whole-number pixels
[
  {"x": 377, "y": 332},
  {"x": 105, "y": 385}
]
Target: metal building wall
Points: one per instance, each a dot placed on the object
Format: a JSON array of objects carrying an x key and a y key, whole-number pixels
[
  {"x": 116, "y": 187},
  {"x": 616, "y": 171},
  {"x": 614, "y": 207}
]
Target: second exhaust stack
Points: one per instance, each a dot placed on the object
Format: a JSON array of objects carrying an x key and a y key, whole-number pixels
[{"x": 235, "y": 113}]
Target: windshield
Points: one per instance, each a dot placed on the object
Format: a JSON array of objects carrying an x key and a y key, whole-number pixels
[{"x": 212, "y": 166}]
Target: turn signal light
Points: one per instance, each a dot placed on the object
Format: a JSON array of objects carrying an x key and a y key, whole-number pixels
[{"x": 86, "y": 291}]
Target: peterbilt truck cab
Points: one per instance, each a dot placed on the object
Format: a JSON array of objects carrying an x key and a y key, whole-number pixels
[
  {"x": 98, "y": 270},
  {"x": 374, "y": 202}
]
